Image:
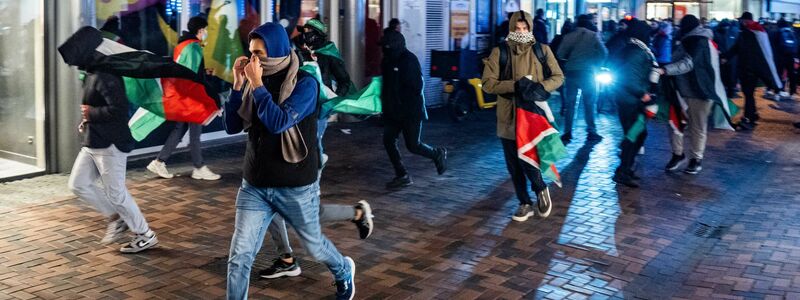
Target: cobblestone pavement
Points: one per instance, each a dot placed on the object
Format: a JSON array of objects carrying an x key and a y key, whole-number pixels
[{"x": 729, "y": 233}]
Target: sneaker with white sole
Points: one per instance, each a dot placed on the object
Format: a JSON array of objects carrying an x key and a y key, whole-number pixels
[
  {"x": 280, "y": 268},
  {"x": 159, "y": 168},
  {"x": 203, "y": 173},
  {"x": 346, "y": 289},
  {"x": 364, "y": 224},
  {"x": 524, "y": 212},
  {"x": 140, "y": 243},
  {"x": 544, "y": 204},
  {"x": 115, "y": 231}
]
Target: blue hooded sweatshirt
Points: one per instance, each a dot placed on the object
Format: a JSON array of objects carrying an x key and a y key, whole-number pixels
[{"x": 276, "y": 118}]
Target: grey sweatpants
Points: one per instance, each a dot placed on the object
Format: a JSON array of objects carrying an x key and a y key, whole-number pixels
[
  {"x": 697, "y": 116},
  {"x": 98, "y": 177},
  {"x": 327, "y": 213},
  {"x": 194, "y": 143}
]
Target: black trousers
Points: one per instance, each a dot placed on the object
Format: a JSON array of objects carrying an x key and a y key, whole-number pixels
[
  {"x": 521, "y": 172},
  {"x": 412, "y": 131},
  {"x": 628, "y": 113},
  {"x": 748, "y": 81}
]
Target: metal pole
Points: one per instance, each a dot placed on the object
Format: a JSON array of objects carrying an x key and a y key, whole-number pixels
[{"x": 353, "y": 40}]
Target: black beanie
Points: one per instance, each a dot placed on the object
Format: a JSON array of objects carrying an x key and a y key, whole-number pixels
[
  {"x": 689, "y": 23},
  {"x": 196, "y": 23},
  {"x": 747, "y": 16}
]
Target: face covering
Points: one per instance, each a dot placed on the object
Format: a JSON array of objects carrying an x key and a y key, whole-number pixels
[
  {"x": 204, "y": 36},
  {"x": 521, "y": 37},
  {"x": 312, "y": 39}
]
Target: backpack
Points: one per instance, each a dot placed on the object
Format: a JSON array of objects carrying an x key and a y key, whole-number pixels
[
  {"x": 788, "y": 41},
  {"x": 505, "y": 67}
]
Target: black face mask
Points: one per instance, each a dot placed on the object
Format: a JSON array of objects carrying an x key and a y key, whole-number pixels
[{"x": 313, "y": 39}]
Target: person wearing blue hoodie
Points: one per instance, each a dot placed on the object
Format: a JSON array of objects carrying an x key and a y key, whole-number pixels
[{"x": 276, "y": 104}]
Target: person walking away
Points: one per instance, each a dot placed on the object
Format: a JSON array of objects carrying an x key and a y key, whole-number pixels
[
  {"x": 188, "y": 53},
  {"x": 540, "y": 27},
  {"x": 633, "y": 96},
  {"x": 506, "y": 65},
  {"x": 98, "y": 175},
  {"x": 755, "y": 62},
  {"x": 786, "y": 53},
  {"x": 404, "y": 109},
  {"x": 276, "y": 104},
  {"x": 584, "y": 53},
  {"x": 695, "y": 80}
]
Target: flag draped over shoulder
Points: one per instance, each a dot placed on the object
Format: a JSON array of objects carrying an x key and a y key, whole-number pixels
[
  {"x": 538, "y": 141},
  {"x": 367, "y": 101},
  {"x": 154, "y": 83}
]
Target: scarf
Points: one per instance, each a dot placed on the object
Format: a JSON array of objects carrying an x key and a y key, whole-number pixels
[
  {"x": 292, "y": 144},
  {"x": 521, "y": 38}
]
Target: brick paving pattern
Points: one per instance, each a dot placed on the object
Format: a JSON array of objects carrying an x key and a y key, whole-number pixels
[{"x": 729, "y": 233}]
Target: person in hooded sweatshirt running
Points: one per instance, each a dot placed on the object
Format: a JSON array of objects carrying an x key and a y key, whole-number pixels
[
  {"x": 404, "y": 110},
  {"x": 189, "y": 54},
  {"x": 696, "y": 85},
  {"x": 276, "y": 104},
  {"x": 632, "y": 95},
  {"x": 755, "y": 61}
]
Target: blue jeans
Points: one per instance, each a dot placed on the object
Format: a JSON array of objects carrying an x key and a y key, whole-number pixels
[
  {"x": 322, "y": 124},
  {"x": 255, "y": 208}
]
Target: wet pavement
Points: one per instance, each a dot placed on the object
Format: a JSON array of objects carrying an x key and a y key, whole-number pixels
[{"x": 730, "y": 232}]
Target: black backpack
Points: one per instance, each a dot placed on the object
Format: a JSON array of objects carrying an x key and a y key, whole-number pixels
[{"x": 788, "y": 41}]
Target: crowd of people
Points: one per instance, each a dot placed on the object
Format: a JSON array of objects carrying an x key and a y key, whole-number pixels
[{"x": 695, "y": 68}]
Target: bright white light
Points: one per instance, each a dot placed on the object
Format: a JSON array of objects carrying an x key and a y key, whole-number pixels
[{"x": 603, "y": 77}]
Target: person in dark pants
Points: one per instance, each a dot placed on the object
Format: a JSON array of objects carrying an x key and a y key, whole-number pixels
[
  {"x": 404, "y": 108},
  {"x": 755, "y": 62},
  {"x": 540, "y": 27},
  {"x": 636, "y": 65},
  {"x": 786, "y": 47},
  {"x": 521, "y": 64}
]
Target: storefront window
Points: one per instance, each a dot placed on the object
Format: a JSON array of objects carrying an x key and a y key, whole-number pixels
[
  {"x": 659, "y": 11},
  {"x": 724, "y": 10},
  {"x": 21, "y": 88}
]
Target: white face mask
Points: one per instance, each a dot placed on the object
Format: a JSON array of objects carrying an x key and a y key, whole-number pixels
[{"x": 204, "y": 35}]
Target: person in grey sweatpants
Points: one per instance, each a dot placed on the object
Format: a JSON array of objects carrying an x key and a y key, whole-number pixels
[{"x": 98, "y": 175}]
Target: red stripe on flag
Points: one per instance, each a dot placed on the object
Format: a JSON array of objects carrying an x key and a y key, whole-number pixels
[{"x": 187, "y": 101}]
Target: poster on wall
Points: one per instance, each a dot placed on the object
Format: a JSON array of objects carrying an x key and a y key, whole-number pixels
[{"x": 459, "y": 18}]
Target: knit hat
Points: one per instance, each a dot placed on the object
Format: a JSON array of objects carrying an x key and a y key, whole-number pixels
[
  {"x": 689, "y": 23},
  {"x": 317, "y": 25},
  {"x": 196, "y": 23},
  {"x": 747, "y": 16}
]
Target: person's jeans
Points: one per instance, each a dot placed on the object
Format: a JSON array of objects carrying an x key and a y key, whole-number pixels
[
  {"x": 175, "y": 137},
  {"x": 412, "y": 132},
  {"x": 521, "y": 172},
  {"x": 322, "y": 125},
  {"x": 583, "y": 80},
  {"x": 327, "y": 213},
  {"x": 109, "y": 196},
  {"x": 697, "y": 114},
  {"x": 255, "y": 208}
]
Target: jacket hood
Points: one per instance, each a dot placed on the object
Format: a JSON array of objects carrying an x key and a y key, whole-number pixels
[
  {"x": 700, "y": 31},
  {"x": 639, "y": 30},
  {"x": 275, "y": 39},
  {"x": 519, "y": 16}
]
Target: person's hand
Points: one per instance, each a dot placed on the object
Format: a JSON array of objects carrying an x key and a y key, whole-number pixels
[
  {"x": 85, "y": 112},
  {"x": 253, "y": 72},
  {"x": 238, "y": 72},
  {"x": 210, "y": 72},
  {"x": 661, "y": 71},
  {"x": 646, "y": 98}
]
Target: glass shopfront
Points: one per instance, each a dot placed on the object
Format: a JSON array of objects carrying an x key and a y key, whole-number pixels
[{"x": 22, "y": 109}]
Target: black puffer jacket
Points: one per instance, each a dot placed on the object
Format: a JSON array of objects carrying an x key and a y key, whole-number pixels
[
  {"x": 401, "y": 94},
  {"x": 108, "y": 115}
]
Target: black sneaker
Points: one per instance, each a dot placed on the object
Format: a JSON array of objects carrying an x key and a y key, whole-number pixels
[
  {"x": 346, "y": 289},
  {"x": 594, "y": 137},
  {"x": 675, "y": 163},
  {"x": 625, "y": 179},
  {"x": 524, "y": 212},
  {"x": 694, "y": 167},
  {"x": 140, "y": 243},
  {"x": 400, "y": 182},
  {"x": 281, "y": 268},
  {"x": 441, "y": 160},
  {"x": 364, "y": 224},
  {"x": 544, "y": 204}
]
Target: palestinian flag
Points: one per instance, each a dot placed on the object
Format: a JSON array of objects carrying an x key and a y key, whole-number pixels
[
  {"x": 154, "y": 83},
  {"x": 367, "y": 101},
  {"x": 768, "y": 72},
  {"x": 640, "y": 125},
  {"x": 538, "y": 141},
  {"x": 724, "y": 109}
]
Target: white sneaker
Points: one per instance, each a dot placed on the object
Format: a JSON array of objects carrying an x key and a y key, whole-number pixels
[
  {"x": 784, "y": 96},
  {"x": 115, "y": 231},
  {"x": 141, "y": 242},
  {"x": 159, "y": 168},
  {"x": 204, "y": 173},
  {"x": 324, "y": 159},
  {"x": 769, "y": 95}
]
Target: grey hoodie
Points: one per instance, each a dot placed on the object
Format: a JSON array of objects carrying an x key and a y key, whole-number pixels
[{"x": 695, "y": 74}]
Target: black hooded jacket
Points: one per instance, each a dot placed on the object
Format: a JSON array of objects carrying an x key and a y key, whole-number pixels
[
  {"x": 633, "y": 64},
  {"x": 401, "y": 93}
]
